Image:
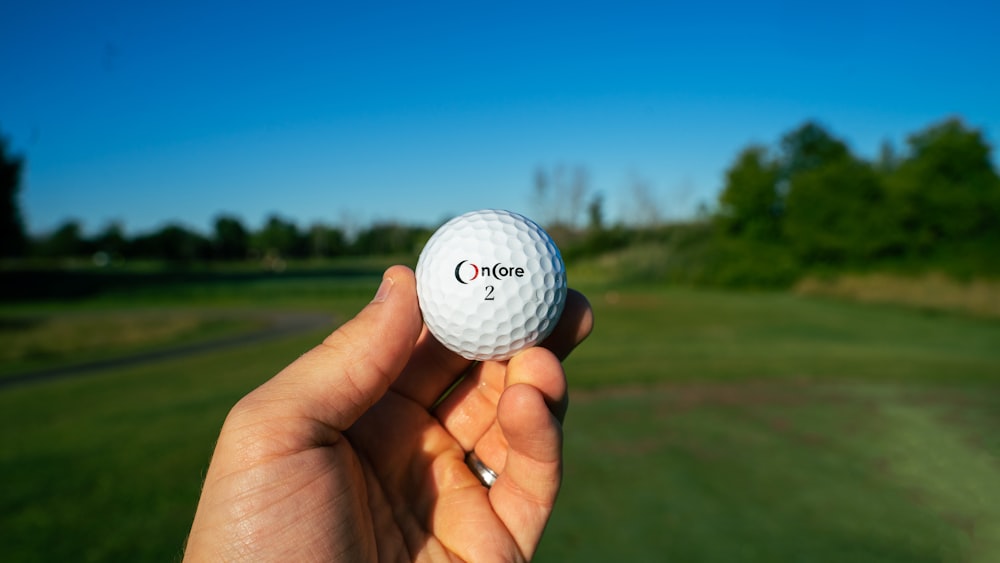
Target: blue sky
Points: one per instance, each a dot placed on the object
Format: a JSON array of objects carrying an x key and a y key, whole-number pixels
[{"x": 349, "y": 113}]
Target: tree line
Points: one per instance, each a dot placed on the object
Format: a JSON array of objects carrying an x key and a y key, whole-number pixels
[
  {"x": 806, "y": 203},
  {"x": 230, "y": 240},
  {"x": 811, "y": 203}
]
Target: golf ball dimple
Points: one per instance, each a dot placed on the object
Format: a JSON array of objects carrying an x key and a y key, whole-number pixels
[{"x": 490, "y": 283}]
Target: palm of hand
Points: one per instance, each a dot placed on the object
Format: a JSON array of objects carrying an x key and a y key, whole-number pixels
[
  {"x": 303, "y": 471},
  {"x": 393, "y": 487}
]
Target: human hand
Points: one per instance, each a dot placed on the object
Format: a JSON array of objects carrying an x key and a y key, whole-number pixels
[{"x": 348, "y": 454}]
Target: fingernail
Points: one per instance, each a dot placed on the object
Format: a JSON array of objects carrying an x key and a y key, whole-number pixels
[{"x": 383, "y": 290}]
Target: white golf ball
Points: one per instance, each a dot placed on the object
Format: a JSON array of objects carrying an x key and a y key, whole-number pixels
[{"x": 490, "y": 283}]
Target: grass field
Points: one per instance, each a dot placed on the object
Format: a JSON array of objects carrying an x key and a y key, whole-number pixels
[{"x": 703, "y": 426}]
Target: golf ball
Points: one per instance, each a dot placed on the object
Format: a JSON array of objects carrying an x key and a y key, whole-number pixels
[{"x": 490, "y": 283}]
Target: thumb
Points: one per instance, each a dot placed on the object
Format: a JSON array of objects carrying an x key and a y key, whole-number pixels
[{"x": 337, "y": 381}]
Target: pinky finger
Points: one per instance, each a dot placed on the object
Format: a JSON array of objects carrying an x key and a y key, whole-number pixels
[{"x": 526, "y": 490}]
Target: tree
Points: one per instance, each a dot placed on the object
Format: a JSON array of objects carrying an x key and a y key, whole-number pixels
[
  {"x": 111, "y": 241},
  {"x": 887, "y": 161},
  {"x": 66, "y": 241},
  {"x": 13, "y": 241},
  {"x": 808, "y": 148},
  {"x": 390, "y": 238},
  {"x": 946, "y": 188},
  {"x": 838, "y": 212},
  {"x": 647, "y": 212},
  {"x": 326, "y": 241},
  {"x": 579, "y": 185},
  {"x": 280, "y": 238},
  {"x": 560, "y": 195},
  {"x": 750, "y": 205},
  {"x": 173, "y": 243},
  {"x": 595, "y": 214},
  {"x": 231, "y": 240},
  {"x": 753, "y": 204},
  {"x": 598, "y": 238}
]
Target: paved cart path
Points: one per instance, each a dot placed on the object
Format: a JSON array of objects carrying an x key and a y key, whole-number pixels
[{"x": 278, "y": 325}]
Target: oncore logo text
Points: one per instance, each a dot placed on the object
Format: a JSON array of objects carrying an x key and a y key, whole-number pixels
[{"x": 466, "y": 271}]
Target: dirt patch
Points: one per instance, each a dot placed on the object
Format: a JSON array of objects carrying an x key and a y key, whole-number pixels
[{"x": 933, "y": 291}]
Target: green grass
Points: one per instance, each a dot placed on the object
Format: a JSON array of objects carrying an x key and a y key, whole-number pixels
[
  {"x": 108, "y": 467},
  {"x": 655, "y": 335},
  {"x": 45, "y": 339},
  {"x": 780, "y": 471},
  {"x": 703, "y": 426}
]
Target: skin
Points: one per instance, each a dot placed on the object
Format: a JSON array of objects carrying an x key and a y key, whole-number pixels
[{"x": 350, "y": 454}]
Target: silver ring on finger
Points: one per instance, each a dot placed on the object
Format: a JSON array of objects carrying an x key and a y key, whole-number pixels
[{"x": 482, "y": 471}]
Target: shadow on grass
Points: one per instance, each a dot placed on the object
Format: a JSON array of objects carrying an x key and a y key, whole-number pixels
[{"x": 51, "y": 284}]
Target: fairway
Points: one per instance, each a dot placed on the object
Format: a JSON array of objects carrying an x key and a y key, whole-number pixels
[
  {"x": 781, "y": 471},
  {"x": 703, "y": 426}
]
